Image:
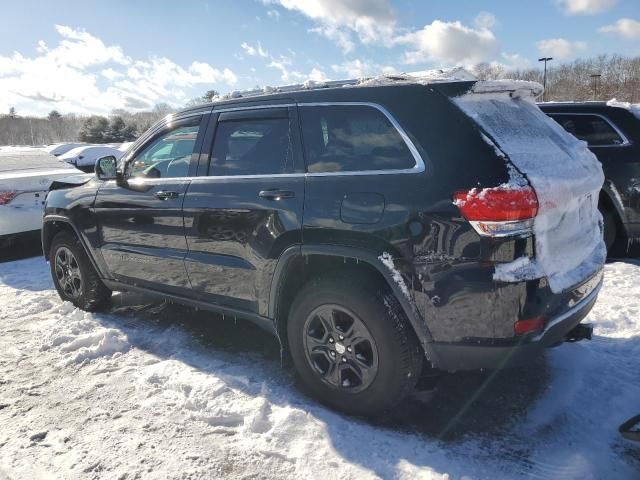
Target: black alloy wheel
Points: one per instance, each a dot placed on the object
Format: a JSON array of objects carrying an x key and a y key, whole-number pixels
[
  {"x": 68, "y": 272},
  {"x": 340, "y": 348}
]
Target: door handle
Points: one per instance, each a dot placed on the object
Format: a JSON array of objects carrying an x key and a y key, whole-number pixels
[
  {"x": 276, "y": 194},
  {"x": 166, "y": 195}
]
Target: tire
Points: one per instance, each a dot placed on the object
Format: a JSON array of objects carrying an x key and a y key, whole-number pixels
[
  {"x": 74, "y": 277},
  {"x": 365, "y": 376},
  {"x": 610, "y": 229}
]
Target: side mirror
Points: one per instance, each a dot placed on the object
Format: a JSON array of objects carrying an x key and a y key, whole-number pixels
[{"x": 106, "y": 168}]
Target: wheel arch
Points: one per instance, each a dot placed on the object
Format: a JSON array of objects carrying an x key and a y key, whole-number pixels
[
  {"x": 54, "y": 224},
  {"x": 609, "y": 199},
  {"x": 294, "y": 263}
]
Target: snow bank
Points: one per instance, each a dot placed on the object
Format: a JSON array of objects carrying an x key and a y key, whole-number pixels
[
  {"x": 566, "y": 176},
  {"x": 185, "y": 401},
  {"x": 80, "y": 341}
]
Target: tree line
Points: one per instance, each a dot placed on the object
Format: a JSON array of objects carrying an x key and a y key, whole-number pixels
[
  {"x": 598, "y": 78},
  {"x": 120, "y": 126}
]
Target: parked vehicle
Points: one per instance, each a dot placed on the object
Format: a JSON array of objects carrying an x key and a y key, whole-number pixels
[
  {"x": 25, "y": 177},
  {"x": 380, "y": 229},
  {"x": 612, "y": 132},
  {"x": 58, "y": 149},
  {"x": 84, "y": 157}
]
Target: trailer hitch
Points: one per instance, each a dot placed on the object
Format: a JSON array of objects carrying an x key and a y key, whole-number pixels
[{"x": 582, "y": 331}]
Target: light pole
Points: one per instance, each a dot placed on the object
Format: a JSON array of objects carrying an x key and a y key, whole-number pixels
[
  {"x": 544, "y": 78},
  {"x": 595, "y": 78}
]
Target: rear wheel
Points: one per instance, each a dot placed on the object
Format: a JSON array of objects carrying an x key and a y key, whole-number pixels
[
  {"x": 73, "y": 274},
  {"x": 352, "y": 346}
]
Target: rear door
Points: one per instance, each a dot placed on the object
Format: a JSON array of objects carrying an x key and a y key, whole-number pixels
[
  {"x": 245, "y": 206},
  {"x": 140, "y": 219}
]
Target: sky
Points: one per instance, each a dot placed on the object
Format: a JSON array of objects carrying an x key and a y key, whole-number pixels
[{"x": 93, "y": 57}]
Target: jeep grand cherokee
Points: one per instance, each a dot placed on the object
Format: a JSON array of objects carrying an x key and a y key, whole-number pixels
[{"x": 378, "y": 228}]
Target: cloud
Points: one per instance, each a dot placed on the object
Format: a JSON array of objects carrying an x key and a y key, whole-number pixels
[
  {"x": 282, "y": 64},
  {"x": 513, "y": 61},
  {"x": 585, "y": 7},
  {"x": 485, "y": 20},
  {"x": 111, "y": 74},
  {"x": 373, "y": 21},
  {"x": 449, "y": 42},
  {"x": 254, "y": 51},
  {"x": 84, "y": 75},
  {"x": 625, "y": 27},
  {"x": 560, "y": 48},
  {"x": 359, "y": 68}
]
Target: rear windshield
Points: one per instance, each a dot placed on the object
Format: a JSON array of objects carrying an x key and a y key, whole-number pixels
[
  {"x": 530, "y": 138},
  {"x": 27, "y": 159}
]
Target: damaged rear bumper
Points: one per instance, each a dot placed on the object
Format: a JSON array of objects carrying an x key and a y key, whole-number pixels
[{"x": 499, "y": 353}]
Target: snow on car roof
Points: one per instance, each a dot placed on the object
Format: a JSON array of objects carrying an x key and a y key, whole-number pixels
[
  {"x": 422, "y": 77},
  {"x": 87, "y": 148},
  {"x": 12, "y": 159}
]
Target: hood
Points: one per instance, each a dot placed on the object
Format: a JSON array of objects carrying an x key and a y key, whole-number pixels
[{"x": 71, "y": 181}]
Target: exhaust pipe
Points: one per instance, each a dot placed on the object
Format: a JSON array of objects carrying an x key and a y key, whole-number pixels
[{"x": 582, "y": 331}]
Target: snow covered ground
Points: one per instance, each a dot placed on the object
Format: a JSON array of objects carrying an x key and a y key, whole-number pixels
[{"x": 156, "y": 391}]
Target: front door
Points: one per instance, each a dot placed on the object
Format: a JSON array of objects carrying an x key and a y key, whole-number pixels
[
  {"x": 245, "y": 208},
  {"x": 140, "y": 219}
]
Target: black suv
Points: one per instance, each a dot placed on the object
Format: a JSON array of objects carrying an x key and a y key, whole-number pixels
[
  {"x": 612, "y": 132},
  {"x": 380, "y": 230}
]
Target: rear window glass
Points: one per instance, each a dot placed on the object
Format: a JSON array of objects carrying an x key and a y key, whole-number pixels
[
  {"x": 348, "y": 138},
  {"x": 593, "y": 129},
  {"x": 259, "y": 146}
]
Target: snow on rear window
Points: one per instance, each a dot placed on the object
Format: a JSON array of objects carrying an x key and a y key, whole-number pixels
[{"x": 566, "y": 177}]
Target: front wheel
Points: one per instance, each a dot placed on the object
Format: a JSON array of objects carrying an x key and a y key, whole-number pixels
[
  {"x": 352, "y": 345},
  {"x": 73, "y": 274}
]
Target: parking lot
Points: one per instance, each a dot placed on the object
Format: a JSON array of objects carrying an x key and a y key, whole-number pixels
[{"x": 153, "y": 390}]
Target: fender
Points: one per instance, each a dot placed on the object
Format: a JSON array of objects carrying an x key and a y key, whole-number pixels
[
  {"x": 614, "y": 197},
  {"x": 48, "y": 219},
  {"x": 417, "y": 322}
]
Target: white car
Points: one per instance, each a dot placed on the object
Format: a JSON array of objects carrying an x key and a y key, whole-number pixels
[
  {"x": 61, "y": 148},
  {"x": 25, "y": 177},
  {"x": 84, "y": 158}
]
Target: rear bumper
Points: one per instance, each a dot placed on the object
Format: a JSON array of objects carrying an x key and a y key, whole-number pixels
[
  {"x": 502, "y": 353},
  {"x": 19, "y": 219}
]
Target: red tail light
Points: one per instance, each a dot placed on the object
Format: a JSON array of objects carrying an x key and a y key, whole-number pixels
[
  {"x": 498, "y": 211},
  {"x": 529, "y": 325},
  {"x": 7, "y": 196}
]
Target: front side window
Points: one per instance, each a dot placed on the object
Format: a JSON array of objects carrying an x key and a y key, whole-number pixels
[
  {"x": 593, "y": 129},
  {"x": 168, "y": 155},
  {"x": 348, "y": 138},
  {"x": 255, "y": 146}
]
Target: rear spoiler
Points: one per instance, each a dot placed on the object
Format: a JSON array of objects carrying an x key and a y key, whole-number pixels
[{"x": 520, "y": 88}]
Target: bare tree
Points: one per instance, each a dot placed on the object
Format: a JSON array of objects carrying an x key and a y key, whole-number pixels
[{"x": 619, "y": 77}]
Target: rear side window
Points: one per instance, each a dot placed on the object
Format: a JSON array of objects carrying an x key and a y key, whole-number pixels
[
  {"x": 349, "y": 138},
  {"x": 593, "y": 129},
  {"x": 256, "y": 146}
]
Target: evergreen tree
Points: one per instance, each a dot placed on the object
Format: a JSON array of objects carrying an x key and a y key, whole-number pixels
[
  {"x": 54, "y": 116},
  {"x": 95, "y": 129}
]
